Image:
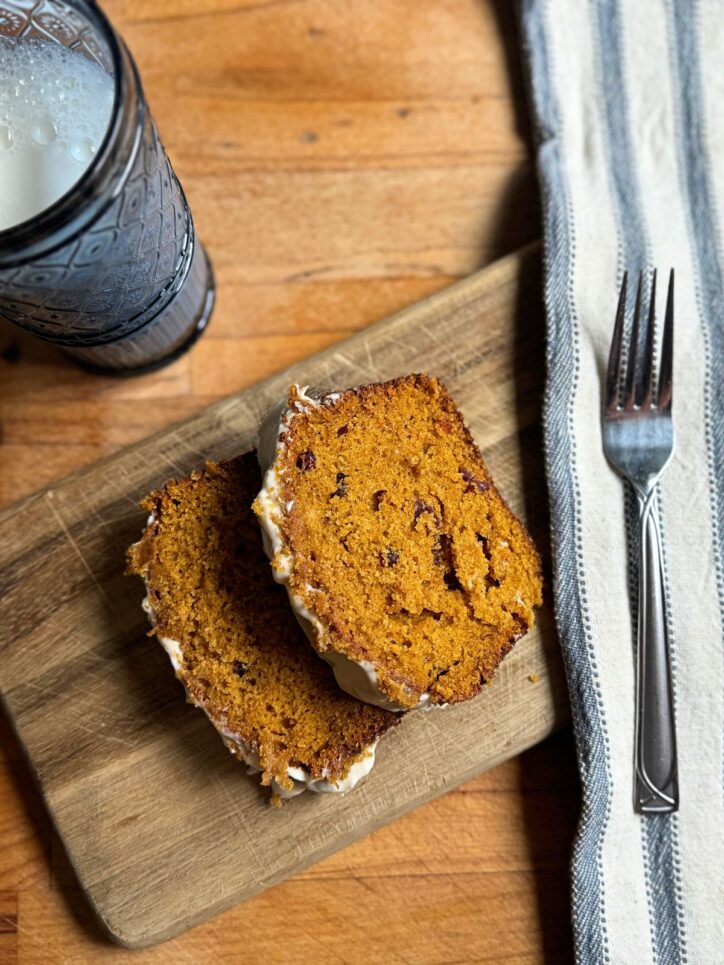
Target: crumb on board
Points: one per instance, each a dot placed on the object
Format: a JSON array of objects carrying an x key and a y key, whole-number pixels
[{"x": 533, "y": 677}]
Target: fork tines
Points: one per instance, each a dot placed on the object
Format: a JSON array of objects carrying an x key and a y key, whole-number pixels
[{"x": 630, "y": 380}]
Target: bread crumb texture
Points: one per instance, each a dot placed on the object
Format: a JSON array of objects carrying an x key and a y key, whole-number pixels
[
  {"x": 400, "y": 544},
  {"x": 246, "y": 662}
]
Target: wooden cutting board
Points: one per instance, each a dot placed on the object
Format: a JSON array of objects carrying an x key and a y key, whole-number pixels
[{"x": 163, "y": 827}]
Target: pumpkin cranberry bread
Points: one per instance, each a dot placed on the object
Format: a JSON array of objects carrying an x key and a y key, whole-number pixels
[
  {"x": 234, "y": 643},
  {"x": 410, "y": 574}
]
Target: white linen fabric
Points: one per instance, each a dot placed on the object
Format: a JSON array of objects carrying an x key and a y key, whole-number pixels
[{"x": 628, "y": 106}]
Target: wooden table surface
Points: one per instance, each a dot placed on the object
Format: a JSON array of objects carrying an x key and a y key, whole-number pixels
[{"x": 343, "y": 158}]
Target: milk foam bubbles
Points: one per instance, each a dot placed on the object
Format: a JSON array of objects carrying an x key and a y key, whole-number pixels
[{"x": 55, "y": 107}]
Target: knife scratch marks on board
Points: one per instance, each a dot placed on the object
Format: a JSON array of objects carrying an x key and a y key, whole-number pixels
[
  {"x": 178, "y": 437},
  {"x": 172, "y": 464},
  {"x": 422, "y": 775},
  {"x": 110, "y": 480},
  {"x": 249, "y": 839},
  {"x": 355, "y": 365},
  {"x": 368, "y": 353},
  {"x": 89, "y": 500},
  {"x": 445, "y": 349},
  {"x": 77, "y": 550},
  {"x": 75, "y": 714},
  {"x": 331, "y": 374},
  {"x": 442, "y": 734},
  {"x": 93, "y": 509}
]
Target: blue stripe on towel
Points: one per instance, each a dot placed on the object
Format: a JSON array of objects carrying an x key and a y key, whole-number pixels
[
  {"x": 664, "y": 900},
  {"x": 707, "y": 248},
  {"x": 706, "y": 245},
  {"x": 571, "y": 603},
  {"x": 634, "y": 247},
  {"x": 657, "y": 841}
]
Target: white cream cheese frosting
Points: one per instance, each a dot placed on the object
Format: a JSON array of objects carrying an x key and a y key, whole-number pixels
[
  {"x": 357, "y": 677},
  {"x": 301, "y": 778}
]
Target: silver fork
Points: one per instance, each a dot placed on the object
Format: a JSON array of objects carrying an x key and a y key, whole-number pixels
[{"x": 638, "y": 439}]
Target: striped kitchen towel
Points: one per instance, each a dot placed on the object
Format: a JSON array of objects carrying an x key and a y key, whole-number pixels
[{"x": 628, "y": 111}]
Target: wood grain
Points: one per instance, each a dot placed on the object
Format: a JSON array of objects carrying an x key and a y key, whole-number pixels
[{"x": 266, "y": 98}]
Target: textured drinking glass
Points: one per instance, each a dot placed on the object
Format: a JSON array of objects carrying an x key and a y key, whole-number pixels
[{"x": 112, "y": 271}]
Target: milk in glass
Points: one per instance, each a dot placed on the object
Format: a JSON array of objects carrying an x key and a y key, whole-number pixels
[{"x": 55, "y": 107}]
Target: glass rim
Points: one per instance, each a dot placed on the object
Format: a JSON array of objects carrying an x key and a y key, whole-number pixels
[{"x": 27, "y": 239}]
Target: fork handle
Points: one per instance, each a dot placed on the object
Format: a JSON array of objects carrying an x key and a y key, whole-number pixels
[{"x": 656, "y": 781}]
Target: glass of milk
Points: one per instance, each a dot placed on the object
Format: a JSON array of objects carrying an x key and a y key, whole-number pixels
[{"x": 98, "y": 252}]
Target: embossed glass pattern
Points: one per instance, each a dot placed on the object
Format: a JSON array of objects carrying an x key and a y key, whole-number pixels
[{"x": 112, "y": 271}]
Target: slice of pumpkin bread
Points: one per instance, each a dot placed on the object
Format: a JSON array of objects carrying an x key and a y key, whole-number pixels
[
  {"x": 409, "y": 573},
  {"x": 234, "y": 643}
]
